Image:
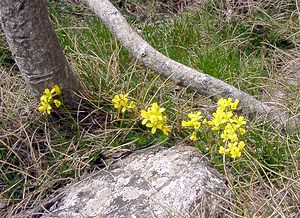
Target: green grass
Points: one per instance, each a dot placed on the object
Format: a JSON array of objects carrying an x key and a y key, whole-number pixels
[{"x": 39, "y": 155}]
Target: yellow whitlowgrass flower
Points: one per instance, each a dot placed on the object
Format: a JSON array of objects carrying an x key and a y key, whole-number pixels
[
  {"x": 146, "y": 116},
  {"x": 234, "y": 105},
  {"x": 193, "y": 137},
  {"x": 120, "y": 102},
  {"x": 239, "y": 120},
  {"x": 156, "y": 109},
  {"x": 227, "y": 104},
  {"x": 47, "y": 94},
  {"x": 194, "y": 121},
  {"x": 216, "y": 122},
  {"x": 235, "y": 152},
  {"x": 227, "y": 115},
  {"x": 57, "y": 103},
  {"x": 131, "y": 105},
  {"x": 47, "y": 99},
  {"x": 230, "y": 127},
  {"x": 155, "y": 123},
  {"x": 242, "y": 131},
  {"x": 224, "y": 151},
  {"x": 45, "y": 108},
  {"x": 241, "y": 145},
  {"x": 166, "y": 130},
  {"x": 186, "y": 123},
  {"x": 195, "y": 116},
  {"x": 154, "y": 119},
  {"x": 229, "y": 133},
  {"x": 235, "y": 149},
  {"x": 56, "y": 89},
  {"x": 224, "y": 103}
]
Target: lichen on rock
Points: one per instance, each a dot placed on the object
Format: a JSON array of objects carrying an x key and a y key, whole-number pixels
[{"x": 154, "y": 182}]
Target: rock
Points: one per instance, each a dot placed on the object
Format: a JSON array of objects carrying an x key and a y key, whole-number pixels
[{"x": 154, "y": 182}]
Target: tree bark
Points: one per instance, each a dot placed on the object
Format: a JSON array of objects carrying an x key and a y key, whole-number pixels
[
  {"x": 174, "y": 71},
  {"x": 35, "y": 47}
]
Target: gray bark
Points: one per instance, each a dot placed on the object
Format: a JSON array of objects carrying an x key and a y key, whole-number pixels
[
  {"x": 35, "y": 47},
  {"x": 174, "y": 71}
]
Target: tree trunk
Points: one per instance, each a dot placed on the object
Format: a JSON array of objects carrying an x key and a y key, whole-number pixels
[{"x": 35, "y": 47}]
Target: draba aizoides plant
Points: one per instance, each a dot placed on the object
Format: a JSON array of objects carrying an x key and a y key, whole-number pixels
[
  {"x": 227, "y": 125},
  {"x": 121, "y": 103},
  {"x": 153, "y": 118},
  {"x": 49, "y": 98},
  {"x": 194, "y": 123}
]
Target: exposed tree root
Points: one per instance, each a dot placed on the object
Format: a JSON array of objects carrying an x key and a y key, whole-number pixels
[{"x": 179, "y": 73}]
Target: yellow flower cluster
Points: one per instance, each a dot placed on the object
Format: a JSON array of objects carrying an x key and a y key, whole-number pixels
[
  {"x": 231, "y": 127},
  {"x": 194, "y": 123},
  {"x": 121, "y": 102},
  {"x": 223, "y": 113},
  {"x": 48, "y": 98},
  {"x": 223, "y": 120},
  {"x": 234, "y": 149},
  {"x": 154, "y": 119}
]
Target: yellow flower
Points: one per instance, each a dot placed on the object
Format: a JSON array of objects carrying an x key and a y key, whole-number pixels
[
  {"x": 154, "y": 119},
  {"x": 234, "y": 105},
  {"x": 235, "y": 152},
  {"x": 195, "y": 116},
  {"x": 242, "y": 131},
  {"x": 131, "y": 105},
  {"x": 220, "y": 117},
  {"x": 228, "y": 125},
  {"x": 193, "y": 137},
  {"x": 156, "y": 109},
  {"x": 226, "y": 104},
  {"x": 121, "y": 102},
  {"x": 236, "y": 149},
  {"x": 47, "y": 94},
  {"x": 47, "y": 99},
  {"x": 57, "y": 103},
  {"x": 229, "y": 133},
  {"x": 56, "y": 89},
  {"x": 146, "y": 115},
  {"x": 223, "y": 151},
  {"x": 186, "y": 123},
  {"x": 239, "y": 120},
  {"x": 166, "y": 130},
  {"x": 45, "y": 108},
  {"x": 155, "y": 123},
  {"x": 194, "y": 120},
  {"x": 241, "y": 145}
]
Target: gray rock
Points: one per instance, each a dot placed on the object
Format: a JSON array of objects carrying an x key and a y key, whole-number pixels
[{"x": 155, "y": 182}]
